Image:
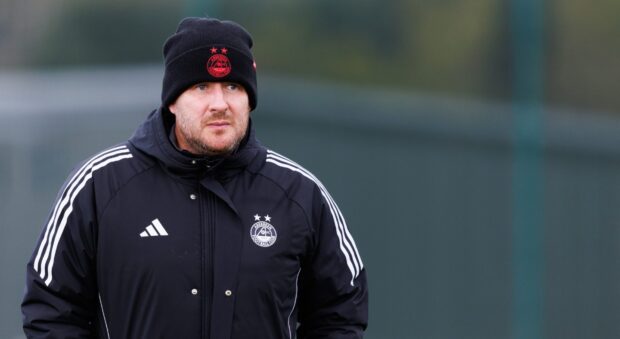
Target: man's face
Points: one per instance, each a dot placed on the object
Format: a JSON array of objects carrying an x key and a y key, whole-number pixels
[{"x": 211, "y": 117}]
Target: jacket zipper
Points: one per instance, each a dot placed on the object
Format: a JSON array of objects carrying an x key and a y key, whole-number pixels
[
  {"x": 203, "y": 302},
  {"x": 208, "y": 246}
]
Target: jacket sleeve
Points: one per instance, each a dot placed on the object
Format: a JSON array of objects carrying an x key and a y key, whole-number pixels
[
  {"x": 333, "y": 289},
  {"x": 60, "y": 297}
]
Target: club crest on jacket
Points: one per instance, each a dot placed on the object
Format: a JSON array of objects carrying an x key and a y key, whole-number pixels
[{"x": 262, "y": 232}]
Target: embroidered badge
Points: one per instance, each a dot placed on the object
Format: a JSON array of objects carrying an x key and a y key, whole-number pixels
[
  {"x": 218, "y": 64},
  {"x": 262, "y": 232}
]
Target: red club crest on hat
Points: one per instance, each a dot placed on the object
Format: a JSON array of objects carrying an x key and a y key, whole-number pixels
[{"x": 218, "y": 64}]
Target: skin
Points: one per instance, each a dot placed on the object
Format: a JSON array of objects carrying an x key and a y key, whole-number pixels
[{"x": 211, "y": 118}]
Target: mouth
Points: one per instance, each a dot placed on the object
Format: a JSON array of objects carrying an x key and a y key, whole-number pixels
[{"x": 218, "y": 123}]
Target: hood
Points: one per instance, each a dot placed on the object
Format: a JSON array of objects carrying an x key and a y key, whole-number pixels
[{"x": 152, "y": 138}]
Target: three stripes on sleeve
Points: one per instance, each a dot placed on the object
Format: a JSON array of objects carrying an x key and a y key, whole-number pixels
[
  {"x": 46, "y": 252},
  {"x": 346, "y": 242}
]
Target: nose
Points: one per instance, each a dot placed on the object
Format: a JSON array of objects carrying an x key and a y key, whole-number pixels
[{"x": 218, "y": 98}]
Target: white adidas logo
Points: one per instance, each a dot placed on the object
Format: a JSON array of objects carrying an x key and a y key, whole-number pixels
[{"x": 155, "y": 229}]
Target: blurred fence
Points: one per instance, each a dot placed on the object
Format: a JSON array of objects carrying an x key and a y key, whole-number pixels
[{"x": 426, "y": 184}]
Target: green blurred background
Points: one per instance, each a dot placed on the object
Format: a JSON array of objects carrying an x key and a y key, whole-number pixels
[{"x": 473, "y": 145}]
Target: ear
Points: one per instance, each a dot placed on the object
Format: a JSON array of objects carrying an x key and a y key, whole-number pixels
[{"x": 172, "y": 108}]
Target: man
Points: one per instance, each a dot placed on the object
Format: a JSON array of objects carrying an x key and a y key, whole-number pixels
[{"x": 192, "y": 228}]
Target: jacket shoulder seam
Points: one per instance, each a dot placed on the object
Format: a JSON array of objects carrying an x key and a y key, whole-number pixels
[
  {"x": 289, "y": 197},
  {"x": 119, "y": 188}
]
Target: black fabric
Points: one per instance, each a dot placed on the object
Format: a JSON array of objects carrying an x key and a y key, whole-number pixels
[
  {"x": 208, "y": 50},
  {"x": 252, "y": 248}
]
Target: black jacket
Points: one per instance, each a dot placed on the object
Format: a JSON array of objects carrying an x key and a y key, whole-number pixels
[{"x": 145, "y": 241}]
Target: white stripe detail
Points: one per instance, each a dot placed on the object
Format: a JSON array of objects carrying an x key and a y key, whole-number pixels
[
  {"x": 63, "y": 222},
  {"x": 344, "y": 247},
  {"x": 294, "y": 304},
  {"x": 151, "y": 231},
  {"x": 144, "y": 234},
  {"x": 62, "y": 201},
  {"x": 160, "y": 228},
  {"x": 347, "y": 244},
  {"x": 105, "y": 321},
  {"x": 338, "y": 217},
  {"x": 282, "y": 158},
  {"x": 55, "y": 230}
]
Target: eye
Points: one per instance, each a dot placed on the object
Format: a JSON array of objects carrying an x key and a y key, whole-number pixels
[
  {"x": 201, "y": 87},
  {"x": 234, "y": 87}
]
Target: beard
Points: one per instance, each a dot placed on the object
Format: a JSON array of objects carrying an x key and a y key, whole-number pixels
[{"x": 197, "y": 145}]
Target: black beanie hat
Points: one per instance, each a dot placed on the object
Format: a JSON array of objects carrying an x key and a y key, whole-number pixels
[{"x": 208, "y": 50}]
